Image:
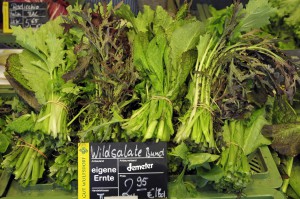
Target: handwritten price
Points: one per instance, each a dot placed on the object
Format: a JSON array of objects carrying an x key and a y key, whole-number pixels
[
  {"x": 31, "y": 21},
  {"x": 141, "y": 183}
]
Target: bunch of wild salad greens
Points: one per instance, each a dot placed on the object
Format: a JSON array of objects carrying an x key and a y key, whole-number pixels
[
  {"x": 238, "y": 72},
  {"x": 105, "y": 71},
  {"x": 103, "y": 74},
  {"x": 24, "y": 152},
  {"x": 47, "y": 55},
  {"x": 36, "y": 75},
  {"x": 163, "y": 54}
]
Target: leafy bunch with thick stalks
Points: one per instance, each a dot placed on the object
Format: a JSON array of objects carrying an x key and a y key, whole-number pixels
[
  {"x": 27, "y": 158},
  {"x": 37, "y": 76},
  {"x": 45, "y": 58},
  {"x": 163, "y": 54},
  {"x": 241, "y": 137},
  {"x": 105, "y": 69},
  {"x": 25, "y": 153}
]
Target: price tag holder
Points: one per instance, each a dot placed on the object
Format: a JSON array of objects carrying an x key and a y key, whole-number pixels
[
  {"x": 122, "y": 169},
  {"x": 24, "y": 14}
]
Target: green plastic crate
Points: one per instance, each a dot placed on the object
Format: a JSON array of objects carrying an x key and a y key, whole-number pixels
[
  {"x": 249, "y": 193},
  {"x": 40, "y": 190},
  {"x": 264, "y": 169}
]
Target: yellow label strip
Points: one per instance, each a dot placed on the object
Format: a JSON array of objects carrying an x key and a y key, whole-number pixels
[
  {"x": 83, "y": 171},
  {"x": 5, "y": 11}
]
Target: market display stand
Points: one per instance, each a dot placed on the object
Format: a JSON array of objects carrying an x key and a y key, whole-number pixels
[{"x": 265, "y": 184}]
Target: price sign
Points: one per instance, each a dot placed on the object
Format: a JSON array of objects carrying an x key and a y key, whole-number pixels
[
  {"x": 122, "y": 169},
  {"x": 24, "y": 14}
]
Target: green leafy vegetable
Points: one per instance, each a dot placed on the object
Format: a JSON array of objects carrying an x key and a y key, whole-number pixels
[
  {"x": 22, "y": 124},
  {"x": 294, "y": 177},
  {"x": 242, "y": 138},
  {"x": 230, "y": 78},
  {"x": 285, "y": 137},
  {"x": 256, "y": 15},
  {"x": 27, "y": 159},
  {"x": 4, "y": 142},
  {"x": 182, "y": 187},
  {"x": 285, "y": 23},
  {"x": 102, "y": 74},
  {"x": 64, "y": 168},
  {"x": 163, "y": 57},
  {"x": 46, "y": 54},
  {"x": 105, "y": 70}
]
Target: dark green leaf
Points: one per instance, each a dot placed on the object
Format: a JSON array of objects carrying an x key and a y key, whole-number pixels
[
  {"x": 285, "y": 137},
  {"x": 216, "y": 173},
  {"x": 4, "y": 142}
]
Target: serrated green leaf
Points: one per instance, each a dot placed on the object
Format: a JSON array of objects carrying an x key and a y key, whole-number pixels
[
  {"x": 257, "y": 15},
  {"x": 185, "y": 38},
  {"x": 22, "y": 124},
  {"x": 144, "y": 19},
  {"x": 180, "y": 151},
  {"x": 31, "y": 66},
  {"x": 162, "y": 19},
  {"x": 70, "y": 87},
  {"x": 33, "y": 39},
  {"x": 56, "y": 53},
  {"x": 45, "y": 58}
]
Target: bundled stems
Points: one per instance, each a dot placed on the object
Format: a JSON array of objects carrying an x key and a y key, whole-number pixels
[
  {"x": 152, "y": 120},
  {"x": 234, "y": 161},
  {"x": 197, "y": 123},
  {"x": 26, "y": 161},
  {"x": 163, "y": 56},
  {"x": 53, "y": 119}
]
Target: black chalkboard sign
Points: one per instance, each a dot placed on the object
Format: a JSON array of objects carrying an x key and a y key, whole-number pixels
[
  {"x": 24, "y": 14},
  {"x": 122, "y": 169}
]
